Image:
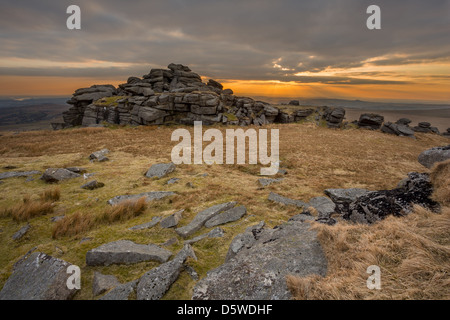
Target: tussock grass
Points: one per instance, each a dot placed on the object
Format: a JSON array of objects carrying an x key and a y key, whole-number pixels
[
  {"x": 440, "y": 177},
  {"x": 29, "y": 208},
  {"x": 81, "y": 222}
]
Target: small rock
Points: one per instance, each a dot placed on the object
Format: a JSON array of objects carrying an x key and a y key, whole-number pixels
[
  {"x": 267, "y": 182},
  {"x": 173, "y": 180},
  {"x": 99, "y": 156},
  {"x": 431, "y": 156},
  {"x": 215, "y": 233},
  {"x": 230, "y": 215},
  {"x": 57, "y": 218},
  {"x": 285, "y": 201},
  {"x": 147, "y": 225},
  {"x": 150, "y": 196},
  {"x": 170, "y": 242},
  {"x": 172, "y": 220},
  {"x": 160, "y": 170},
  {"x": 22, "y": 231},
  {"x": 324, "y": 206},
  {"x": 201, "y": 218},
  {"x": 192, "y": 273},
  {"x": 103, "y": 283},
  {"x": 121, "y": 292},
  {"x": 84, "y": 240},
  {"x": 92, "y": 185}
]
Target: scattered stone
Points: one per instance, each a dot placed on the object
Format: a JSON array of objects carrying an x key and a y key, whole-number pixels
[
  {"x": 76, "y": 170},
  {"x": 258, "y": 271},
  {"x": 150, "y": 196},
  {"x": 285, "y": 201},
  {"x": 266, "y": 182},
  {"x": 170, "y": 242},
  {"x": 325, "y": 207},
  {"x": 201, "y": 218},
  {"x": 57, "y": 218},
  {"x": 192, "y": 273},
  {"x": 244, "y": 240},
  {"x": 53, "y": 175},
  {"x": 125, "y": 252},
  {"x": 398, "y": 202},
  {"x": 22, "y": 231},
  {"x": 155, "y": 283},
  {"x": 13, "y": 174},
  {"x": 38, "y": 276},
  {"x": 370, "y": 121},
  {"x": 431, "y": 156},
  {"x": 172, "y": 220},
  {"x": 92, "y": 185},
  {"x": 404, "y": 121},
  {"x": 121, "y": 292},
  {"x": 147, "y": 225},
  {"x": 426, "y": 127},
  {"x": 160, "y": 170},
  {"x": 230, "y": 215},
  {"x": 103, "y": 283},
  {"x": 99, "y": 156},
  {"x": 84, "y": 240},
  {"x": 215, "y": 233},
  {"x": 173, "y": 180}
]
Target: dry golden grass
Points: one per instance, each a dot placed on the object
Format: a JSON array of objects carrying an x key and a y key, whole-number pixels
[
  {"x": 412, "y": 252},
  {"x": 51, "y": 194},
  {"x": 440, "y": 177},
  {"x": 316, "y": 159},
  {"x": 79, "y": 223}
]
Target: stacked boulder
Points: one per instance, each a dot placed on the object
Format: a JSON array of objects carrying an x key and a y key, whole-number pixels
[
  {"x": 334, "y": 117},
  {"x": 400, "y": 128},
  {"x": 166, "y": 96},
  {"x": 370, "y": 121},
  {"x": 426, "y": 127}
]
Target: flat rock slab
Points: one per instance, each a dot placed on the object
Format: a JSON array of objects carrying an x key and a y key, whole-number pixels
[
  {"x": 22, "y": 231},
  {"x": 230, "y": 215},
  {"x": 126, "y": 252},
  {"x": 201, "y": 218},
  {"x": 258, "y": 271},
  {"x": 160, "y": 170},
  {"x": 38, "y": 277},
  {"x": 147, "y": 225},
  {"x": 172, "y": 220},
  {"x": 15, "y": 174},
  {"x": 103, "y": 283},
  {"x": 431, "y": 156},
  {"x": 52, "y": 175},
  {"x": 215, "y": 233},
  {"x": 121, "y": 292},
  {"x": 345, "y": 195},
  {"x": 173, "y": 180},
  {"x": 155, "y": 283},
  {"x": 325, "y": 206},
  {"x": 150, "y": 196},
  {"x": 264, "y": 182},
  {"x": 285, "y": 201}
]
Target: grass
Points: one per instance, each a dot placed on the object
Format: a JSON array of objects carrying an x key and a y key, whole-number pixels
[
  {"x": 316, "y": 159},
  {"x": 109, "y": 101}
]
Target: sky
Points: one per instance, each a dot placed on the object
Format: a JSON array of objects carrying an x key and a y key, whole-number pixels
[{"x": 296, "y": 48}]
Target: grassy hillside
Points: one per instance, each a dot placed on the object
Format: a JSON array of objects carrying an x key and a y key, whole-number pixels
[{"x": 316, "y": 158}]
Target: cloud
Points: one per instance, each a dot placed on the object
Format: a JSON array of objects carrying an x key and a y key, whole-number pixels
[{"x": 225, "y": 39}]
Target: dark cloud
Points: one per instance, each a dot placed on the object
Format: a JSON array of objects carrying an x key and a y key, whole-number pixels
[{"x": 225, "y": 39}]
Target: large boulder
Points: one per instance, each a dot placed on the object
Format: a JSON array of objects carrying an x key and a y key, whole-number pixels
[
  {"x": 126, "y": 252},
  {"x": 398, "y": 129},
  {"x": 431, "y": 156},
  {"x": 38, "y": 276},
  {"x": 370, "y": 121},
  {"x": 52, "y": 175},
  {"x": 334, "y": 117},
  {"x": 258, "y": 270}
]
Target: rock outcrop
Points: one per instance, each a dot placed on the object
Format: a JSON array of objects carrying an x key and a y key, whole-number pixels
[
  {"x": 398, "y": 129},
  {"x": 426, "y": 127},
  {"x": 370, "y": 121},
  {"x": 165, "y": 96},
  {"x": 258, "y": 270},
  {"x": 38, "y": 276}
]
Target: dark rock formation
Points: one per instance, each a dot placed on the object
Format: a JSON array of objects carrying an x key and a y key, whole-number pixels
[
  {"x": 334, "y": 117},
  {"x": 52, "y": 175},
  {"x": 398, "y": 129},
  {"x": 377, "y": 205},
  {"x": 426, "y": 127},
  {"x": 370, "y": 121}
]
